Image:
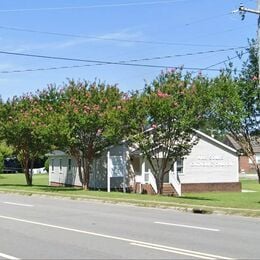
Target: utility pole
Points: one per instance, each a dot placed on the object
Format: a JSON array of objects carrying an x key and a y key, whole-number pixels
[{"x": 242, "y": 11}]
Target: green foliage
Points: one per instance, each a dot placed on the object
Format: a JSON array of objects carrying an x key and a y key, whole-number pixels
[
  {"x": 5, "y": 151},
  {"x": 235, "y": 104},
  {"x": 25, "y": 125},
  {"x": 46, "y": 165},
  {"x": 90, "y": 120}
]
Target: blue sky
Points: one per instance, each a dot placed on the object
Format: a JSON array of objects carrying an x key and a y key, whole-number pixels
[{"x": 115, "y": 31}]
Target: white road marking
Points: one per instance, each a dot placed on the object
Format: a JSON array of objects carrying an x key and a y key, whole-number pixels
[
  {"x": 187, "y": 226},
  {"x": 8, "y": 256},
  {"x": 180, "y": 251},
  {"x": 18, "y": 204},
  {"x": 171, "y": 251}
]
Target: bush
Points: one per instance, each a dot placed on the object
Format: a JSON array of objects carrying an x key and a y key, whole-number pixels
[{"x": 46, "y": 165}]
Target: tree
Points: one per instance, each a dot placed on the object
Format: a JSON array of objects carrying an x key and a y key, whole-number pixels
[
  {"x": 23, "y": 126},
  {"x": 162, "y": 118},
  {"x": 91, "y": 124},
  {"x": 236, "y": 105}
]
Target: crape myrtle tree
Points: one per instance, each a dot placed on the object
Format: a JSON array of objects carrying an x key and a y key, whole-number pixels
[
  {"x": 23, "y": 127},
  {"x": 27, "y": 128},
  {"x": 91, "y": 112},
  {"x": 236, "y": 105},
  {"x": 161, "y": 119}
]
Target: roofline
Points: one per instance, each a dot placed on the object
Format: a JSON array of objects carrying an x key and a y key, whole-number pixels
[{"x": 215, "y": 141}]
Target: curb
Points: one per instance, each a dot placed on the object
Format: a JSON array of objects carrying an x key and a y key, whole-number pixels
[{"x": 196, "y": 209}]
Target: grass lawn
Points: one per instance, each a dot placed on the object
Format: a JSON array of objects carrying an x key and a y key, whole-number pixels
[{"x": 245, "y": 203}]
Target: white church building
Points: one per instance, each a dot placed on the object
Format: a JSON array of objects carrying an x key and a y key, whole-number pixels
[{"x": 211, "y": 166}]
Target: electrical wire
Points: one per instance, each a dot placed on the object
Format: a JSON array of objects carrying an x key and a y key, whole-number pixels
[
  {"x": 229, "y": 59},
  {"x": 105, "y": 38},
  {"x": 93, "y": 6},
  {"x": 97, "y": 62}
]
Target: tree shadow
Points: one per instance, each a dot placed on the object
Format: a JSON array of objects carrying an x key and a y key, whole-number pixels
[
  {"x": 53, "y": 189},
  {"x": 13, "y": 185},
  {"x": 44, "y": 187},
  {"x": 197, "y": 198}
]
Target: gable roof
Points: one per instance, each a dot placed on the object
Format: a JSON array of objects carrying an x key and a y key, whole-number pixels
[
  {"x": 215, "y": 141},
  {"x": 202, "y": 135}
]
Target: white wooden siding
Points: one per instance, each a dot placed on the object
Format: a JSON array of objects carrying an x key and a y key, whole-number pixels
[{"x": 209, "y": 163}]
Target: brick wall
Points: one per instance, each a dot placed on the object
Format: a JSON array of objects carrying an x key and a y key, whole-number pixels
[
  {"x": 206, "y": 187},
  {"x": 56, "y": 184},
  {"x": 244, "y": 164}
]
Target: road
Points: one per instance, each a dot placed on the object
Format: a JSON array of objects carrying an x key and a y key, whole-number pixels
[{"x": 34, "y": 227}]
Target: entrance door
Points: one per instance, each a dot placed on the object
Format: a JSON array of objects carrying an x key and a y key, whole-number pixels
[{"x": 166, "y": 178}]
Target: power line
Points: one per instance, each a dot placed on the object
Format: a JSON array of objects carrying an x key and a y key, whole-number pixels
[
  {"x": 132, "y": 60},
  {"x": 98, "y": 62},
  {"x": 104, "y": 38},
  {"x": 208, "y": 18},
  {"x": 93, "y": 6},
  {"x": 232, "y": 58},
  {"x": 188, "y": 54},
  {"x": 120, "y": 62}
]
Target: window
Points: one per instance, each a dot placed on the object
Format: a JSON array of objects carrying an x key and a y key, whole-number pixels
[
  {"x": 69, "y": 164},
  {"x": 180, "y": 165},
  {"x": 117, "y": 166}
]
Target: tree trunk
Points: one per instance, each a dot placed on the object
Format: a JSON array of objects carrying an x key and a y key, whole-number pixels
[
  {"x": 86, "y": 173},
  {"x": 28, "y": 176},
  {"x": 158, "y": 184},
  {"x": 161, "y": 184},
  {"x": 258, "y": 173}
]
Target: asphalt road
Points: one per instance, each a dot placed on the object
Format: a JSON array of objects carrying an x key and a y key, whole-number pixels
[{"x": 34, "y": 227}]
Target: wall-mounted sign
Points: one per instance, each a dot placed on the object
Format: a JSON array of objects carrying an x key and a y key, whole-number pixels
[{"x": 211, "y": 161}]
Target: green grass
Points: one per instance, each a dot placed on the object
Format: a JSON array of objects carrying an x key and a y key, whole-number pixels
[{"x": 229, "y": 202}]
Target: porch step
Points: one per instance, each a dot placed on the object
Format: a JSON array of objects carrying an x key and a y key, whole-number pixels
[{"x": 169, "y": 190}]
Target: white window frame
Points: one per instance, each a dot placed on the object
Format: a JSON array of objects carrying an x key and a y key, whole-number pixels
[{"x": 180, "y": 165}]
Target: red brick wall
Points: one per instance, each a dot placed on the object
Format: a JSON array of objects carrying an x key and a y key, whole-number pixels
[
  {"x": 56, "y": 184},
  {"x": 206, "y": 187},
  {"x": 244, "y": 164}
]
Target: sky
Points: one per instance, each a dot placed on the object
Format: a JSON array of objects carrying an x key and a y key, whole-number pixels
[{"x": 124, "y": 42}]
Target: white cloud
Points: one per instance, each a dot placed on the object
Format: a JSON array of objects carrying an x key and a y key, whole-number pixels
[{"x": 124, "y": 38}]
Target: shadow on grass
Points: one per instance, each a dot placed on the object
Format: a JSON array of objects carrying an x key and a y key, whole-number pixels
[
  {"x": 197, "y": 198},
  {"x": 53, "y": 189},
  {"x": 44, "y": 188}
]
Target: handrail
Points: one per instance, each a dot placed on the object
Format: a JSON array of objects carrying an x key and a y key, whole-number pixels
[{"x": 175, "y": 181}]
